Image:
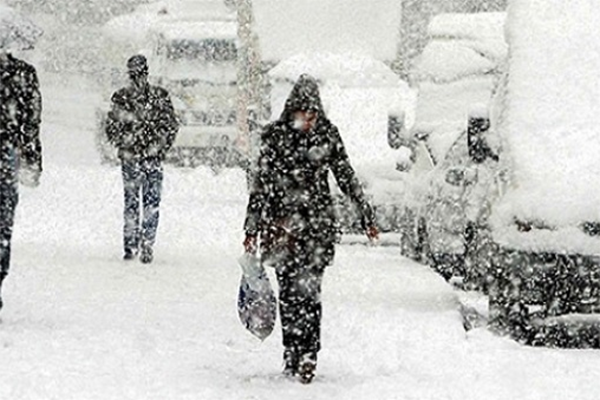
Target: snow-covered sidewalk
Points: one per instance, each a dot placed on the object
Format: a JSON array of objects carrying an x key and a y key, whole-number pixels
[{"x": 79, "y": 323}]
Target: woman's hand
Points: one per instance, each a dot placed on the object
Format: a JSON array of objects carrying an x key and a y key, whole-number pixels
[
  {"x": 250, "y": 244},
  {"x": 372, "y": 233}
]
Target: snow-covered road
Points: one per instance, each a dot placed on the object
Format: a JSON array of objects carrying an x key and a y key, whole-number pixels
[{"x": 79, "y": 323}]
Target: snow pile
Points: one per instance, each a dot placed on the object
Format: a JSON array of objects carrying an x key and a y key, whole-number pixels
[
  {"x": 327, "y": 25},
  {"x": 552, "y": 108}
]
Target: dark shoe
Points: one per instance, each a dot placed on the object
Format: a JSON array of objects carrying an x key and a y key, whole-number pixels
[
  {"x": 129, "y": 254},
  {"x": 290, "y": 360},
  {"x": 146, "y": 255},
  {"x": 307, "y": 368}
]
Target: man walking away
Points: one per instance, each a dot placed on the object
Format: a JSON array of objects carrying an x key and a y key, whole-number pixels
[
  {"x": 142, "y": 125},
  {"x": 20, "y": 146}
]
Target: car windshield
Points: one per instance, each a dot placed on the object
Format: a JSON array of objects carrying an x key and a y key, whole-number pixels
[{"x": 206, "y": 50}]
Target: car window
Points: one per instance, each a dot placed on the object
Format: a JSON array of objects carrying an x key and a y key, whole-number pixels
[
  {"x": 458, "y": 153},
  {"x": 207, "y": 50}
]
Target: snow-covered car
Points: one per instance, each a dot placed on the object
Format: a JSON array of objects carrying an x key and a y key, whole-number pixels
[
  {"x": 455, "y": 77},
  {"x": 361, "y": 95},
  {"x": 193, "y": 55},
  {"x": 461, "y": 191},
  {"x": 544, "y": 267}
]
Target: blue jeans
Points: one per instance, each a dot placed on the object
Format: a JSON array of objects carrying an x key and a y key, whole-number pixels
[
  {"x": 9, "y": 197},
  {"x": 142, "y": 180}
]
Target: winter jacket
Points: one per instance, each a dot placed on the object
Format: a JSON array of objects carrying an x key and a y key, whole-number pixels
[
  {"x": 20, "y": 115},
  {"x": 289, "y": 193},
  {"x": 141, "y": 123}
]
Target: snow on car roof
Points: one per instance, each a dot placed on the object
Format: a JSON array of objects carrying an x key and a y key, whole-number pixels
[
  {"x": 482, "y": 32},
  {"x": 206, "y": 18},
  {"x": 476, "y": 26},
  {"x": 198, "y": 30},
  {"x": 347, "y": 69},
  {"x": 446, "y": 61},
  {"x": 130, "y": 27}
]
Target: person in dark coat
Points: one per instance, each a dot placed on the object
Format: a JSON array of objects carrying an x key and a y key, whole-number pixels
[
  {"x": 142, "y": 125},
  {"x": 20, "y": 146},
  {"x": 290, "y": 216}
]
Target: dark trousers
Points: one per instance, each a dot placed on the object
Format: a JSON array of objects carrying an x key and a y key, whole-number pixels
[
  {"x": 300, "y": 275},
  {"x": 448, "y": 265},
  {"x": 9, "y": 197},
  {"x": 142, "y": 184}
]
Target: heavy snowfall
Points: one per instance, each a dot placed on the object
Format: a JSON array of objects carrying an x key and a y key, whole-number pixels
[{"x": 80, "y": 323}]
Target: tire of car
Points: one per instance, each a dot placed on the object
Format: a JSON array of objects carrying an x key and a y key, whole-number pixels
[{"x": 508, "y": 313}]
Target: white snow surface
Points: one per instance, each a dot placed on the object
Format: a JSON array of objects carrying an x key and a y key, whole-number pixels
[
  {"x": 553, "y": 107},
  {"x": 79, "y": 323}
]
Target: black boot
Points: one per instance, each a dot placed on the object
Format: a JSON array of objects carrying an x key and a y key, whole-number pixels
[
  {"x": 146, "y": 254},
  {"x": 307, "y": 368},
  {"x": 290, "y": 361},
  {"x": 129, "y": 254}
]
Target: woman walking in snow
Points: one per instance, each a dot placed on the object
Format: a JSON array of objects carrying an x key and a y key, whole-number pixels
[{"x": 291, "y": 211}]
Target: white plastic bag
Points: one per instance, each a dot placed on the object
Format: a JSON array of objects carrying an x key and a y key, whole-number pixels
[{"x": 257, "y": 305}]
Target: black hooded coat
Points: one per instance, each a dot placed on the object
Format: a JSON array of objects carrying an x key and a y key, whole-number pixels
[
  {"x": 20, "y": 145},
  {"x": 20, "y": 116},
  {"x": 290, "y": 199}
]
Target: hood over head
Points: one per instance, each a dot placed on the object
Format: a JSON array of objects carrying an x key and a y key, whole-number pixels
[{"x": 303, "y": 97}]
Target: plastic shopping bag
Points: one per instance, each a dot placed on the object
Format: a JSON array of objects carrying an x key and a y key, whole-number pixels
[{"x": 257, "y": 305}]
